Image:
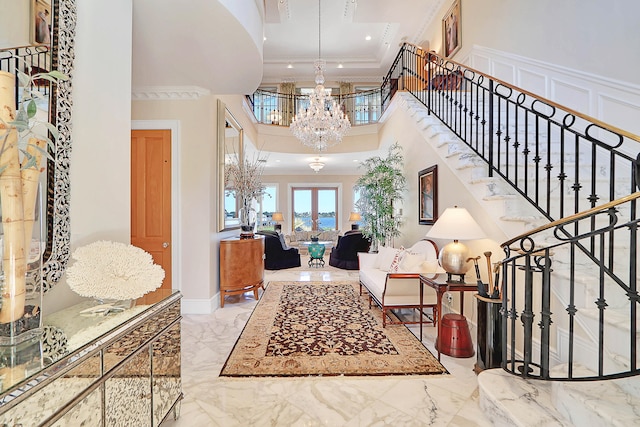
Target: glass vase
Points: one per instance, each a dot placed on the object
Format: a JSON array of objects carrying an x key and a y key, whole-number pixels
[
  {"x": 21, "y": 278},
  {"x": 247, "y": 222}
]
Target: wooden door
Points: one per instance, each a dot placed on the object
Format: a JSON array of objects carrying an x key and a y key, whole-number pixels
[{"x": 151, "y": 196}]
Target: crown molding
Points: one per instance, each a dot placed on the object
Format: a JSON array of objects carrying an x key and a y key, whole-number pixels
[{"x": 155, "y": 93}]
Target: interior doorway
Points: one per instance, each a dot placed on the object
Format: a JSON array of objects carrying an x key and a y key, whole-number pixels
[{"x": 151, "y": 196}]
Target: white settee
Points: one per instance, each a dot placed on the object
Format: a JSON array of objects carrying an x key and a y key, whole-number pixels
[
  {"x": 294, "y": 239},
  {"x": 392, "y": 278}
]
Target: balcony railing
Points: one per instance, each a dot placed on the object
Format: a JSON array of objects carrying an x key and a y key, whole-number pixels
[{"x": 275, "y": 108}]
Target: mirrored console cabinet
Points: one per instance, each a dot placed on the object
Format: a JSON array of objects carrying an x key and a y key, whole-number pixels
[{"x": 97, "y": 365}]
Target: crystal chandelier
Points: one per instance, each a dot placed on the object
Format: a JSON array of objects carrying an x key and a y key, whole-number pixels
[
  {"x": 320, "y": 127},
  {"x": 316, "y": 165}
]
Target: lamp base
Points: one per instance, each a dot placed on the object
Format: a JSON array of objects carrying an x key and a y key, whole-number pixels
[
  {"x": 450, "y": 278},
  {"x": 453, "y": 259}
]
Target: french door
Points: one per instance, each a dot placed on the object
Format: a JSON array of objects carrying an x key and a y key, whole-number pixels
[{"x": 314, "y": 208}]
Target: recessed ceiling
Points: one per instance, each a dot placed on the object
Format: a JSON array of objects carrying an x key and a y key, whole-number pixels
[{"x": 291, "y": 33}]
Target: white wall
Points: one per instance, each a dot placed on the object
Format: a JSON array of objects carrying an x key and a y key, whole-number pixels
[
  {"x": 13, "y": 31},
  {"x": 100, "y": 155},
  {"x": 599, "y": 37}
]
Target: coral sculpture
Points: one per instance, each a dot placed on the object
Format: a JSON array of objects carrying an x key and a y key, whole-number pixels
[{"x": 112, "y": 270}]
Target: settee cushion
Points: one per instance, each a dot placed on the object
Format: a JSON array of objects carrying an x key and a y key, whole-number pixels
[
  {"x": 422, "y": 257},
  {"x": 386, "y": 256}
]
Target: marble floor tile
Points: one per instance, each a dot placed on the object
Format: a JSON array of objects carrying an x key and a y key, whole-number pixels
[{"x": 210, "y": 400}]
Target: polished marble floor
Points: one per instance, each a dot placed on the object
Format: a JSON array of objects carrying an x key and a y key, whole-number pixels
[{"x": 450, "y": 400}]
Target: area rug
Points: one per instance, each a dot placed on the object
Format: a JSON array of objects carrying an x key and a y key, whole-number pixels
[{"x": 324, "y": 328}]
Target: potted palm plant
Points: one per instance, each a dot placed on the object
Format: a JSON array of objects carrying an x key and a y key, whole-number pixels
[{"x": 380, "y": 186}]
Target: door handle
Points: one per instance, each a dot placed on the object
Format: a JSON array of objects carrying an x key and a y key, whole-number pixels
[{"x": 165, "y": 245}]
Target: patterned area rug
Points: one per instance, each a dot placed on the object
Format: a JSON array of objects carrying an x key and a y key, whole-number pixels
[{"x": 324, "y": 328}]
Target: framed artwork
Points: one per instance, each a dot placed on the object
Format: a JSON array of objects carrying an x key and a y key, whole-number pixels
[
  {"x": 428, "y": 195},
  {"x": 452, "y": 30},
  {"x": 41, "y": 21}
]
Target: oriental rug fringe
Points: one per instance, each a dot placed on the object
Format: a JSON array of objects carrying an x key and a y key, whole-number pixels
[{"x": 324, "y": 328}]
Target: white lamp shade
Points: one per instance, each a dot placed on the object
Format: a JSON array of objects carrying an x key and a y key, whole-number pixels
[
  {"x": 456, "y": 223},
  {"x": 277, "y": 216},
  {"x": 354, "y": 216}
]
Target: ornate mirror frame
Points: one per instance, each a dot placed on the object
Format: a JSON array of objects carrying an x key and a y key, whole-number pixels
[
  {"x": 227, "y": 148},
  {"x": 56, "y": 254}
]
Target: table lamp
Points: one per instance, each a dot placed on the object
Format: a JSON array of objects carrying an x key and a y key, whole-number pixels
[
  {"x": 354, "y": 217},
  {"x": 457, "y": 224},
  {"x": 277, "y": 217}
]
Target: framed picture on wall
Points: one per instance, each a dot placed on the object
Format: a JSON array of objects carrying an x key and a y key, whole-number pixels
[
  {"x": 452, "y": 30},
  {"x": 41, "y": 21},
  {"x": 428, "y": 195}
]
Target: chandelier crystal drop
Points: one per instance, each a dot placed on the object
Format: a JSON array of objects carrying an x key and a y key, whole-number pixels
[{"x": 323, "y": 123}]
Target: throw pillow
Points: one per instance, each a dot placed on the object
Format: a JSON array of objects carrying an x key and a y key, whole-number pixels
[
  {"x": 397, "y": 260},
  {"x": 411, "y": 262},
  {"x": 385, "y": 257}
]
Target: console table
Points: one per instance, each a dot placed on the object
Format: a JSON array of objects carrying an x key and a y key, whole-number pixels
[
  {"x": 117, "y": 369},
  {"x": 440, "y": 284},
  {"x": 241, "y": 266}
]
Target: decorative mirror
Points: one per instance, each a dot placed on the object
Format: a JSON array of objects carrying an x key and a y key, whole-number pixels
[
  {"x": 230, "y": 148},
  {"x": 56, "y": 56}
]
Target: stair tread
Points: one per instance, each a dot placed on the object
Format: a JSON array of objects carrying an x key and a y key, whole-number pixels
[
  {"x": 510, "y": 400},
  {"x": 606, "y": 402}
]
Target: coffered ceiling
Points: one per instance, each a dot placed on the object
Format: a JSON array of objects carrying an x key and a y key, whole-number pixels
[{"x": 359, "y": 38}]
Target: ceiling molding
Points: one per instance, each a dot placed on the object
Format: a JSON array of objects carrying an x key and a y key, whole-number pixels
[
  {"x": 429, "y": 17},
  {"x": 155, "y": 93}
]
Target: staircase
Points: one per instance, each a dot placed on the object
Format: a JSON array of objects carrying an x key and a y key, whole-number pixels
[{"x": 512, "y": 400}]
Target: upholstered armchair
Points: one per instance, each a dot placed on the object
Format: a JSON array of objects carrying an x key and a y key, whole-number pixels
[
  {"x": 345, "y": 254},
  {"x": 277, "y": 254}
]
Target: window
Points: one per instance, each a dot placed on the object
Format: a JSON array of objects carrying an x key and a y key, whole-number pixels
[
  {"x": 314, "y": 208},
  {"x": 302, "y": 103},
  {"x": 267, "y": 205},
  {"x": 265, "y": 103},
  {"x": 367, "y": 108}
]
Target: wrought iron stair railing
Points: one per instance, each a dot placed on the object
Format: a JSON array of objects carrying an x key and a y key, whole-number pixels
[
  {"x": 601, "y": 289},
  {"x": 560, "y": 160},
  {"x": 564, "y": 163}
]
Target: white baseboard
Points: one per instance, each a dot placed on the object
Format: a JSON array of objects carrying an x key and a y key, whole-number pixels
[{"x": 200, "y": 305}]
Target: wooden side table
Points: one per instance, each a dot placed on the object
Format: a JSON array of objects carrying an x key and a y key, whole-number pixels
[
  {"x": 440, "y": 284},
  {"x": 241, "y": 266}
]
